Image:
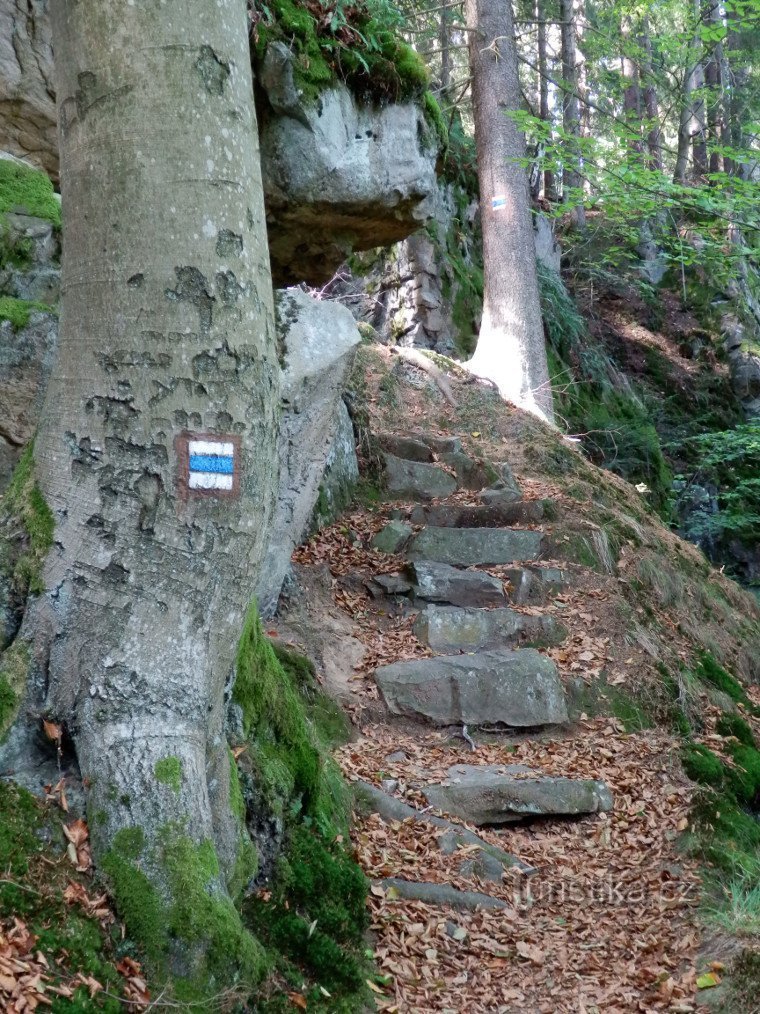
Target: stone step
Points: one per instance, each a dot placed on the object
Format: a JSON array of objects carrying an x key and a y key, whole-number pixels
[
  {"x": 417, "y": 479},
  {"x": 534, "y": 585},
  {"x": 440, "y": 582},
  {"x": 499, "y": 515},
  {"x": 472, "y": 546},
  {"x": 495, "y": 794},
  {"x": 451, "y": 628},
  {"x": 516, "y": 688}
]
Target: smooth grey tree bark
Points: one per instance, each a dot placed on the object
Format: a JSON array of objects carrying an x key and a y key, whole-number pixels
[
  {"x": 166, "y": 336},
  {"x": 511, "y": 350}
]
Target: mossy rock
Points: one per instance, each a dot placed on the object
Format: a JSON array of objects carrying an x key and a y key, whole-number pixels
[
  {"x": 19, "y": 311},
  {"x": 27, "y": 191}
]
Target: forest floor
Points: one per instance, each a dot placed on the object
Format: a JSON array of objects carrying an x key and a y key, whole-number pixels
[{"x": 612, "y": 918}]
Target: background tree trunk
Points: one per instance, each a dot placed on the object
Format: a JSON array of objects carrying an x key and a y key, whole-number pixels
[
  {"x": 688, "y": 125},
  {"x": 511, "y": 351},
  {"x": 571, "y": 110},
  {"x": 543, "y": 89},
  {"x": 651, "y": 105},
  {"x": 166, "y": 330}
]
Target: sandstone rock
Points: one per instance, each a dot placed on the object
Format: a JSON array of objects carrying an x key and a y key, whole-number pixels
[
  {"x": 406, "y": 447},
  {"x": 392, "y": 538},
  {"x": 471, "y": 473},
  {"x": 495, "y": 515},
  {"x": 743, "y": 364},
  {"x": 493, "y": 794},
  {"x": 417, "y": 479},
  {"x": 339, "y": 176},
  {"x": 534, "y": 584},
  {"x": 439, "y": 582},
  {"x": 341, "y": 471},
  {"x": 393, "y": 584},
  {"x": 471, "y": 546},
  {"x": 318, "y": 338},
  {"x": 512, "y": 688},
  {"x": 26, "y": 358},
  {"x": 449, "y": 628},
  {"x": 484, "y": 867},
  {"x": 27, "y": 94}
]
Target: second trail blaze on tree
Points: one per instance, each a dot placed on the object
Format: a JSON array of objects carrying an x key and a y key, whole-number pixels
[{"x": 208, "y": 464}]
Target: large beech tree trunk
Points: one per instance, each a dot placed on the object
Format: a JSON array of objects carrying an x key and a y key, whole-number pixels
[
  {"x": 166, "y": 336},
  {"x": 511, "y": 351}
]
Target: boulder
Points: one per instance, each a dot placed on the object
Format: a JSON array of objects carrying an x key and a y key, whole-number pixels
[
  {"x": 393, "y": 584},
  {"x": 318, "y": 338},
  {"x": 467, "y": 547},
  {"x": 341, "y": 471},
  {"x": 439, "y": 582},
  {"x": 518, "y": 688},
  {"x": 743, "y": 363},
  {"x": 494, "y": 794},
  {"x": 449, "y": 628},
  {"x": 27, "y": 355},
  {"x": 471, "y": 473},
  {"x": 392, "y": 538},
  {"x": 340, "y": 176},
  {"x": 417, "y": 479}
]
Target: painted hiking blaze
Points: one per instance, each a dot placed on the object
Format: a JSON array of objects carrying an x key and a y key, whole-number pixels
[{"x": 208, "y": 464}]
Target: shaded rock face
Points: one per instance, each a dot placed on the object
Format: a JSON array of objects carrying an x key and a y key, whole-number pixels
[
  {"x": 27, "y": 96},
  {"x": 319, "y": 338},
  {"x": 512, "y": 688},
  {"x": 339, "y": 176},
  {"x": 491, "y": 794}
]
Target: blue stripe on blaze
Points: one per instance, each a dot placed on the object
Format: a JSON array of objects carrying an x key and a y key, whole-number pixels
[{"x": 211, "y": 463}]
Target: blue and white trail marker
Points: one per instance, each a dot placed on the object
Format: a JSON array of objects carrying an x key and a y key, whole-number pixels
[
  {"x": 499, "y": 203},
  {"x": 211, "y": 465}
]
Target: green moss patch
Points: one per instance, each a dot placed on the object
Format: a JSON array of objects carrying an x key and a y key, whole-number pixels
[
  {"x": 32, "y": 890},
  {"x": 358, "y": 44},
  {"x": 168, "y": 771},
  {"x": 24, "y": 505},
  {"x": 14, "y": 670},
  {"x": 29, "y": 191},
  {"x": 19, "y": 311}
]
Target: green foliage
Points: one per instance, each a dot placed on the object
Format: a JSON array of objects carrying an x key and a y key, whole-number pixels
[
  {"x": 316, "y": 915},
  {"x": 19, "y": 311},
  {"x": 703, "y": 766},
  {"x": 593, "y": 400},
  {"x": 168, "y": 771},
  {"x": 27, "y": 190},
  {"x": 709, "y": 671},
  {"x": 736, "y": 726},
  {"x": 729, "y": 460},
  {"x": 354, "y": 42}
]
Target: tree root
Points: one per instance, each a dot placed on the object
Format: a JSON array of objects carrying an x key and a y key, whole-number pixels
[
  {"x": 440, "y": 894},
  {"x": 373, "y": 800},
  {"x": 421, "y": 361}
]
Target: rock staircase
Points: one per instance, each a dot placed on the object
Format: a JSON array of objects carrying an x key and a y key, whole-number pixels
[{"x": 486, "y": 670}]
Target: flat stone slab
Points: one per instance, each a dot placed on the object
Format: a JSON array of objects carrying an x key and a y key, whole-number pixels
[
  {"x": 471, "y": 546},
  {"x": 495, "y": 794},
  {"x": 410, "y": 448},
  {"x": 451, "y": 628},
  {"x": 392, "y": 538},
  {"x": 499, "y": 515},
  {"x": 417, "y": 479},
  {"x": 535, "y": 584},
  {"x": 517, "y": 688},
  {"x": 440, "y": 582}
]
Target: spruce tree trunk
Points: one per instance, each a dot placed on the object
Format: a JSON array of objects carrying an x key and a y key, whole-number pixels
[
  {"x": 572, "y": 182},
  {"x": 543, "y": 89},
  {"x": 166, "y": 337},
  {"x": 688, "y": 125},
  {"x": 511, "y": 351},
  {"x": 651, "y": 104}
]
